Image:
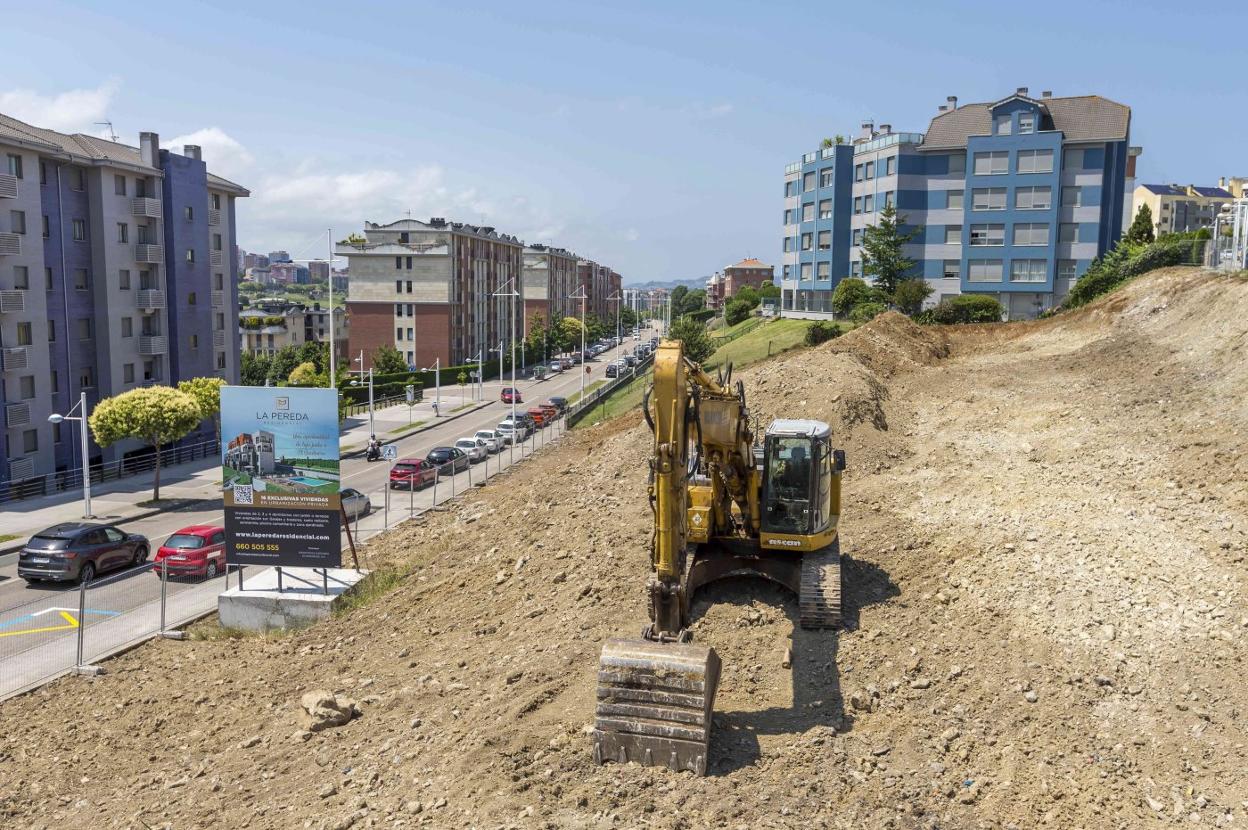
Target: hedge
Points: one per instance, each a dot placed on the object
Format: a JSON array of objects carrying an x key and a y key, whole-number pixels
[
  {"x": 701, "y": 315},
  {"x": 820, "y": 332},
  {"x": 1126, "y": 261},
  {"x": 964, "y": 308}
]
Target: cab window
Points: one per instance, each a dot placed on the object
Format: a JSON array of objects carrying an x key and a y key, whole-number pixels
[{"x": 789, "y": 474}]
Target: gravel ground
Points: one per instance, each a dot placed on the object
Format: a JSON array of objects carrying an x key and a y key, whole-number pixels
[{"x": 1046, "y": 524}]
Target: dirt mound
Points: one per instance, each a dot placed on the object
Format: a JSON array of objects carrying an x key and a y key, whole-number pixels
[{"x": 1046, "y": 608}]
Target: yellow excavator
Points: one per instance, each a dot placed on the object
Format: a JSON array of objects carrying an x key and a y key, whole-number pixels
[{"x": 723, "y": 505}]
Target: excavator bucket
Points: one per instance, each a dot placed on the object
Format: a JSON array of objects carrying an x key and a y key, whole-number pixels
[{"x": 654, "y": 704}]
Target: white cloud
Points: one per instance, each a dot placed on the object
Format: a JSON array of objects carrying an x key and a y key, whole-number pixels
[
  {"x": 222, "y": 153},
  {"x": 73, "y": 111}
]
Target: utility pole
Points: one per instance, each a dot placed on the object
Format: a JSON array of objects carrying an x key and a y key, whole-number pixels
[
  {"x": 333, "y": 380},
  {"x": 583, "y": 297}
]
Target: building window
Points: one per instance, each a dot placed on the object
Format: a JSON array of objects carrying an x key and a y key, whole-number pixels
[
  {"x": 398, "y": 286},
  {"x": 856, "y": 237},
  {"x": 30, "y": 440},
  {"x": 119, "y": 185},
  {"x": 15, "y": 165},
  {"x": 47, "y": 228},
  {"x": 1072, "y": 197},
  {"x": 43, "y": 172},
  {"x": 1031, "y": 233},
  {"x": 1072, "y": 160},
  {"x": 825, "y": 209},
  {"x": 805, "y": 270},
  {"x": 952, "y": 269},
  {"x": 218, "y": 282},
  {"x": 790, "y": 188},
  {"x": 857, "y": 205},
  {"x": 189, "y": 213},
  {"x": 21, "y": 277},
  {"x": 26, "y": 387},
  {"x": 194, "y": 340},
  {"x": 55, "y": 382},
  {"x": 411, "y": 333},
  {"x": 788, "y": 243},
  {"x": 127, "y": 327},
  {"x": 996, "y": 163},
  {"x": 987, "y": 235},
  {"x": 398, "y": 334},
  {"x": 78, "y": 179},
  {"x": 216, "y": 242},
  {"x": 216, "y": 201},
  {"x": 145, "y": 235},
  {"x": 988, "y": 198},
  {"x": 1029, "y": 270},
  {"x": 411, "y": 310},
  {"x": 192, "y": 298},
  {"x": 888, "y": 198},
  {"x": 56, "y": 433},
  {"x": 80, "y": 230},
  {"x": 123, "y": 279},
  {"x": 149, "y": 369},
  {"x": 398, "y": 309},
  {"x": 1068, "y": 232},
  {"x": 807, "y": 241},
  {"x": 1066, "y": 269},
  {"x": 86, "y": 379},
  {"x": 219, "y": 324},
  {"x": 24, "y": 334},
  {"x": 1035, "y": 161},
  {"x": 855, "y": 268},
  {"x": 84, "y": 328},
  {"x": 825, "y": 177},
  {"x": 190, "y": 255},
  {"x": 789, "y": 216},
  {"x": 1001, "y": 124},
  {"x": 1026, "y": 123},
  {"x": 857, "y": 172},
  {"x": 890, "y": 165},
  {"x": 824, "y": 271},
  {"x": 48, "y": 278},
  {"x": 953, "y": 199},
  {"x": 17, "y": 221},
  {"x": 123, "y": 232},
  {"x": 127, "y": 373},
  {"x": 220, "y": 360},
  {"x": 953, "y": 234},
  {"x": 868, "y": 204},
  {"x": 81, "y": 279},
  {"x": 808, "y": 181},
  {"x": 808, "y": 212},
  {"x": 957, "y": 164},
  {"x": 1033, "y": 198},
  {"x": 825, "y": 240},
  {"x": 870, "y": 170},
  {"x": 984, "y": 270},
  {"x": 51, "y": 331}
]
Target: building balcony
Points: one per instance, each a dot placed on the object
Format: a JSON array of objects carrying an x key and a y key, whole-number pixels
[
  {"x": 152, "y": 345},
  {"x": 15, "y": 358},
  {"x": 153, "y": 254},
  {"x": 218, "y": 340},
  {"x": 17, "y": 415},
  {"x": 12, "y": 301},
  {"x": 142, "y": 206},
  {"x": 214, "y": 216},
  {"x": 8, "y": 186},
  {"x": 218, "y": 299},
  {"x": 150, "y": 299},
  {"x": 216, "y": 258},
  {"x": 10, "y": 244}
]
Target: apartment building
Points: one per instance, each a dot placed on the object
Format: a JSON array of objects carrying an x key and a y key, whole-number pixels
[
  {"x": 429, "y": 290},
  {"x": 1012, "y": 198},
  {"x": 550, "y": 279},
  {"x": 1178, "y": 208},
  {"x": 116, "y": 270},
  {"x": 266, "y": 328}
]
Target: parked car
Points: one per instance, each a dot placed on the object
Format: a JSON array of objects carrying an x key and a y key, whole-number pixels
[
  {"x": 509, "y": 432},
  {"x": 630, "y": 360},
  {"x": 198, "y": 550},
  {"x": 412, "y": 474},
  {"x": 613, "y": 370},
  {"x": 491, "y": 438},
  {"x": 550, "y": 410},
  {"x": 560, "y": 402},
  {"x": 474, "y": 448},
  {"x": 355, "y": 504},
  {"x": 77, "y": 551},
  {"x": 510, "y": 395},
  {"x": 538, "y": 415},
  {"x": 528, "y": 422},
  {"x": 448, "y": 460},
  {"x": 556, "y": 365}
]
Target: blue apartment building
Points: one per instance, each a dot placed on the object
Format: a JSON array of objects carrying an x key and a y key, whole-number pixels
[{"x": 1013, "y": 198}]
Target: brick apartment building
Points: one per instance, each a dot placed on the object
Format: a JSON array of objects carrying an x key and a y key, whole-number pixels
[
  {"x": 550, "y": 278},
  {"x": 721, "y": 287}
]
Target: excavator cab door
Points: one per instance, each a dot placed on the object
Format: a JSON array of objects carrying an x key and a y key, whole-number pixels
[{"x": 797, "y": 484}]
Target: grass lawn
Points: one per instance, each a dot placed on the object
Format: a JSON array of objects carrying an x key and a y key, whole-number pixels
[
  {"x": 626, "y": 398},
  {"x": 589, "y": 389},
  {"x": 747, "y": 323},
  {"x": 765, "y": 341},
  {"x": 414, "y": 425},
  {"x": 8, "y": 537}
]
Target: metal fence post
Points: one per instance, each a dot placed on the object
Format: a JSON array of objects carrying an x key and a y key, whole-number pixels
[
  {"x": 82, "y": 618},
  {"x": 453, "y": 479},
  {"x": 164, "y": 585},
  {"x": 385, "y": 525}
]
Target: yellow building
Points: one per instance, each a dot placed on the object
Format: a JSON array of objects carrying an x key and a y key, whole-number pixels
[
  {"x": 1235, "y": 185},
  {"x": 1178, "y": 208}
]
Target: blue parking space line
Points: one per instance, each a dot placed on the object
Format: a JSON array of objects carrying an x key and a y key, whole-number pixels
[{"x": 17, "y": 620}]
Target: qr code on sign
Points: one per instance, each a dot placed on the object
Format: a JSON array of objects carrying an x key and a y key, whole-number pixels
[{"x": 243, "y": 494}]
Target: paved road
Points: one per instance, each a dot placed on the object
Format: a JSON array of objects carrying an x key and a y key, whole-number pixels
[{"x": 39, "y": 625}]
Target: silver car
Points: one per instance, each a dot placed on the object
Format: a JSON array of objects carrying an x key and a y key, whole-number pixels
[
  {"x": 493, "y": 441},
  {"x": 355, "y": 504},
  {"x": 474, "y": 448}
]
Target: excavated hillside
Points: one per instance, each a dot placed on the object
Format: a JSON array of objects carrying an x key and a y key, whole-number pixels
[{"x": 1047, "y": 526}]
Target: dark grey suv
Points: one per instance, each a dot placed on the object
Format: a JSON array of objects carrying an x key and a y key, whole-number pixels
[{"x": 78, "y": 551}]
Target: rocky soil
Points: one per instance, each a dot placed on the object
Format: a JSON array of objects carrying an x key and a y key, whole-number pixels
[{"x": 1047, "y": 524}]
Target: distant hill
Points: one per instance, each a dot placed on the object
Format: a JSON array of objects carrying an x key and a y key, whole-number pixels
[{"x": 696, "y": 282}]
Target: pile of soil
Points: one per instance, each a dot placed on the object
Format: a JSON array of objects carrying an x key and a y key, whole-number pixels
[{"x": 1046, "y": 526}]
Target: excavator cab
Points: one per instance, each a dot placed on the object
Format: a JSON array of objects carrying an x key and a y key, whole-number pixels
[{"x": 801, "y": 486}]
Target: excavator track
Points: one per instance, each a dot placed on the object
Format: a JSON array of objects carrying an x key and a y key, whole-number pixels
[
  {"x": 655, "y": 702},
  {"x": 819, "y": 602}
]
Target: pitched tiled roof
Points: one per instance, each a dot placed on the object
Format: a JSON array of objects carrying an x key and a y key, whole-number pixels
[
  {"x": 1181, "y": 190},
  {"x": 751, "y": 262},
  {"x": 1079, "y": 118},
  {"x": 88, "y": 147}
]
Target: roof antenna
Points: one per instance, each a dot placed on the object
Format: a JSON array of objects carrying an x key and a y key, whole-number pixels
[{"x": 112, "y": 135}]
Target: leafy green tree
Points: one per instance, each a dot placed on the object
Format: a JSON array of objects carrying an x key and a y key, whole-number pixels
[
  {"x": 749, "y": 295},
  {"x": 207, "y": 395},
  {"x": 769, "y": 291},
  {"x": 849, "y": 292},
  {"x": 156, "y": 415},
  {"x": 736, "y": 311},
  {"x": 910, "y": 295},
  {"x": 676, "y": 300},
  {"x": 628, "y": 317},
  {"x": 387, "y": 360},
  {"x": 1141, "y": 230},
  {"x": 253, "y": 369},
  {"x": 882, "y": 257},
  {"x": 595, "y": 329},
  {"x": 698, "y": 346},
  {"x": 305, "y": 374},
  {"x": 282, "y": 364},
  {"x": 695, "y": 300},
  {"x": 866, "y": 312}
]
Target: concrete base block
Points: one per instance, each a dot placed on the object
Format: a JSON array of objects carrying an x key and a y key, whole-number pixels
[{"x": 301, "y": 602}]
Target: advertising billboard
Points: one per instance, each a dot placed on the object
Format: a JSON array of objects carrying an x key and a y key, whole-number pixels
[{"x": 280, "y": 476}]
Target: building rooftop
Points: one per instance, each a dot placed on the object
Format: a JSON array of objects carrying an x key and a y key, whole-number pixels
[
  {"x": 438, "y": 223},
  {"x": 749, "y": 262},
  {"x": 1079, "y": 118},
  {"x": 88, "y": 149},
  {"x": 1182, "y": 190}
]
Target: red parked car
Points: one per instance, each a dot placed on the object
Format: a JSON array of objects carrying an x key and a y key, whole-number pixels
[
  {"x": 509, "y": 393},
  {"x": 198, "y": 550},
  {"x": 412, "y": 474}
]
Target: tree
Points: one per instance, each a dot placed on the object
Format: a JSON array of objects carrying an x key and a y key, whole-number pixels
[
  {"x": 866, "y": 312},
  {"x": 676, "y": 300},
  {"x": 736, "y": 311},
  {"x": 749, "y": 295},
  {"x": 570, "y": 329},
  {"x": 882, "y": 256},
  {"x": 282, "y": 364},
  {"x": 207, "y": 395},
  {"x": 253, "y": 369},
  {"x": 827, "y": 142},
  {"x": 305, "y": 374},
  {"x": 1141, "y": 230},
  {"x": 628, "y": 317},
  {"x": 387, "y": 361},
  {"x": 850, "y": 292},
  {"x": 769, "y": 291},
  {"x": 695, "y": 300},
  {"x": 910, "y": 295},
  {"x": 698, "y": 346},
  {"x": 155, "y": 415}
]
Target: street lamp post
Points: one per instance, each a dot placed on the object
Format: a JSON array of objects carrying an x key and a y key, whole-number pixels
[
  {"x": 615, "y": 297},
  {"x": 580, "y": 294},
  {"x": 511, "y": 312},
  {"x": 86, "y": 469},
  {"x": 360, "y": 360}
]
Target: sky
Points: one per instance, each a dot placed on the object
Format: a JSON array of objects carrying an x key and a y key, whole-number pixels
[{"x": 649, "y": 136}]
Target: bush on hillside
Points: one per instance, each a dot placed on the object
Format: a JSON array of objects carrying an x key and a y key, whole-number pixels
[
  {"x": 821, "y": 332},
  {"x": 1126, "y": 261},
  {"x": 964, "y": 308},
  {"x": 866, "y": 312},
  {"x": 850, "y": 292},
  {"x": 736, "y": 311},
  {"x": 701, "y": 315}
]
